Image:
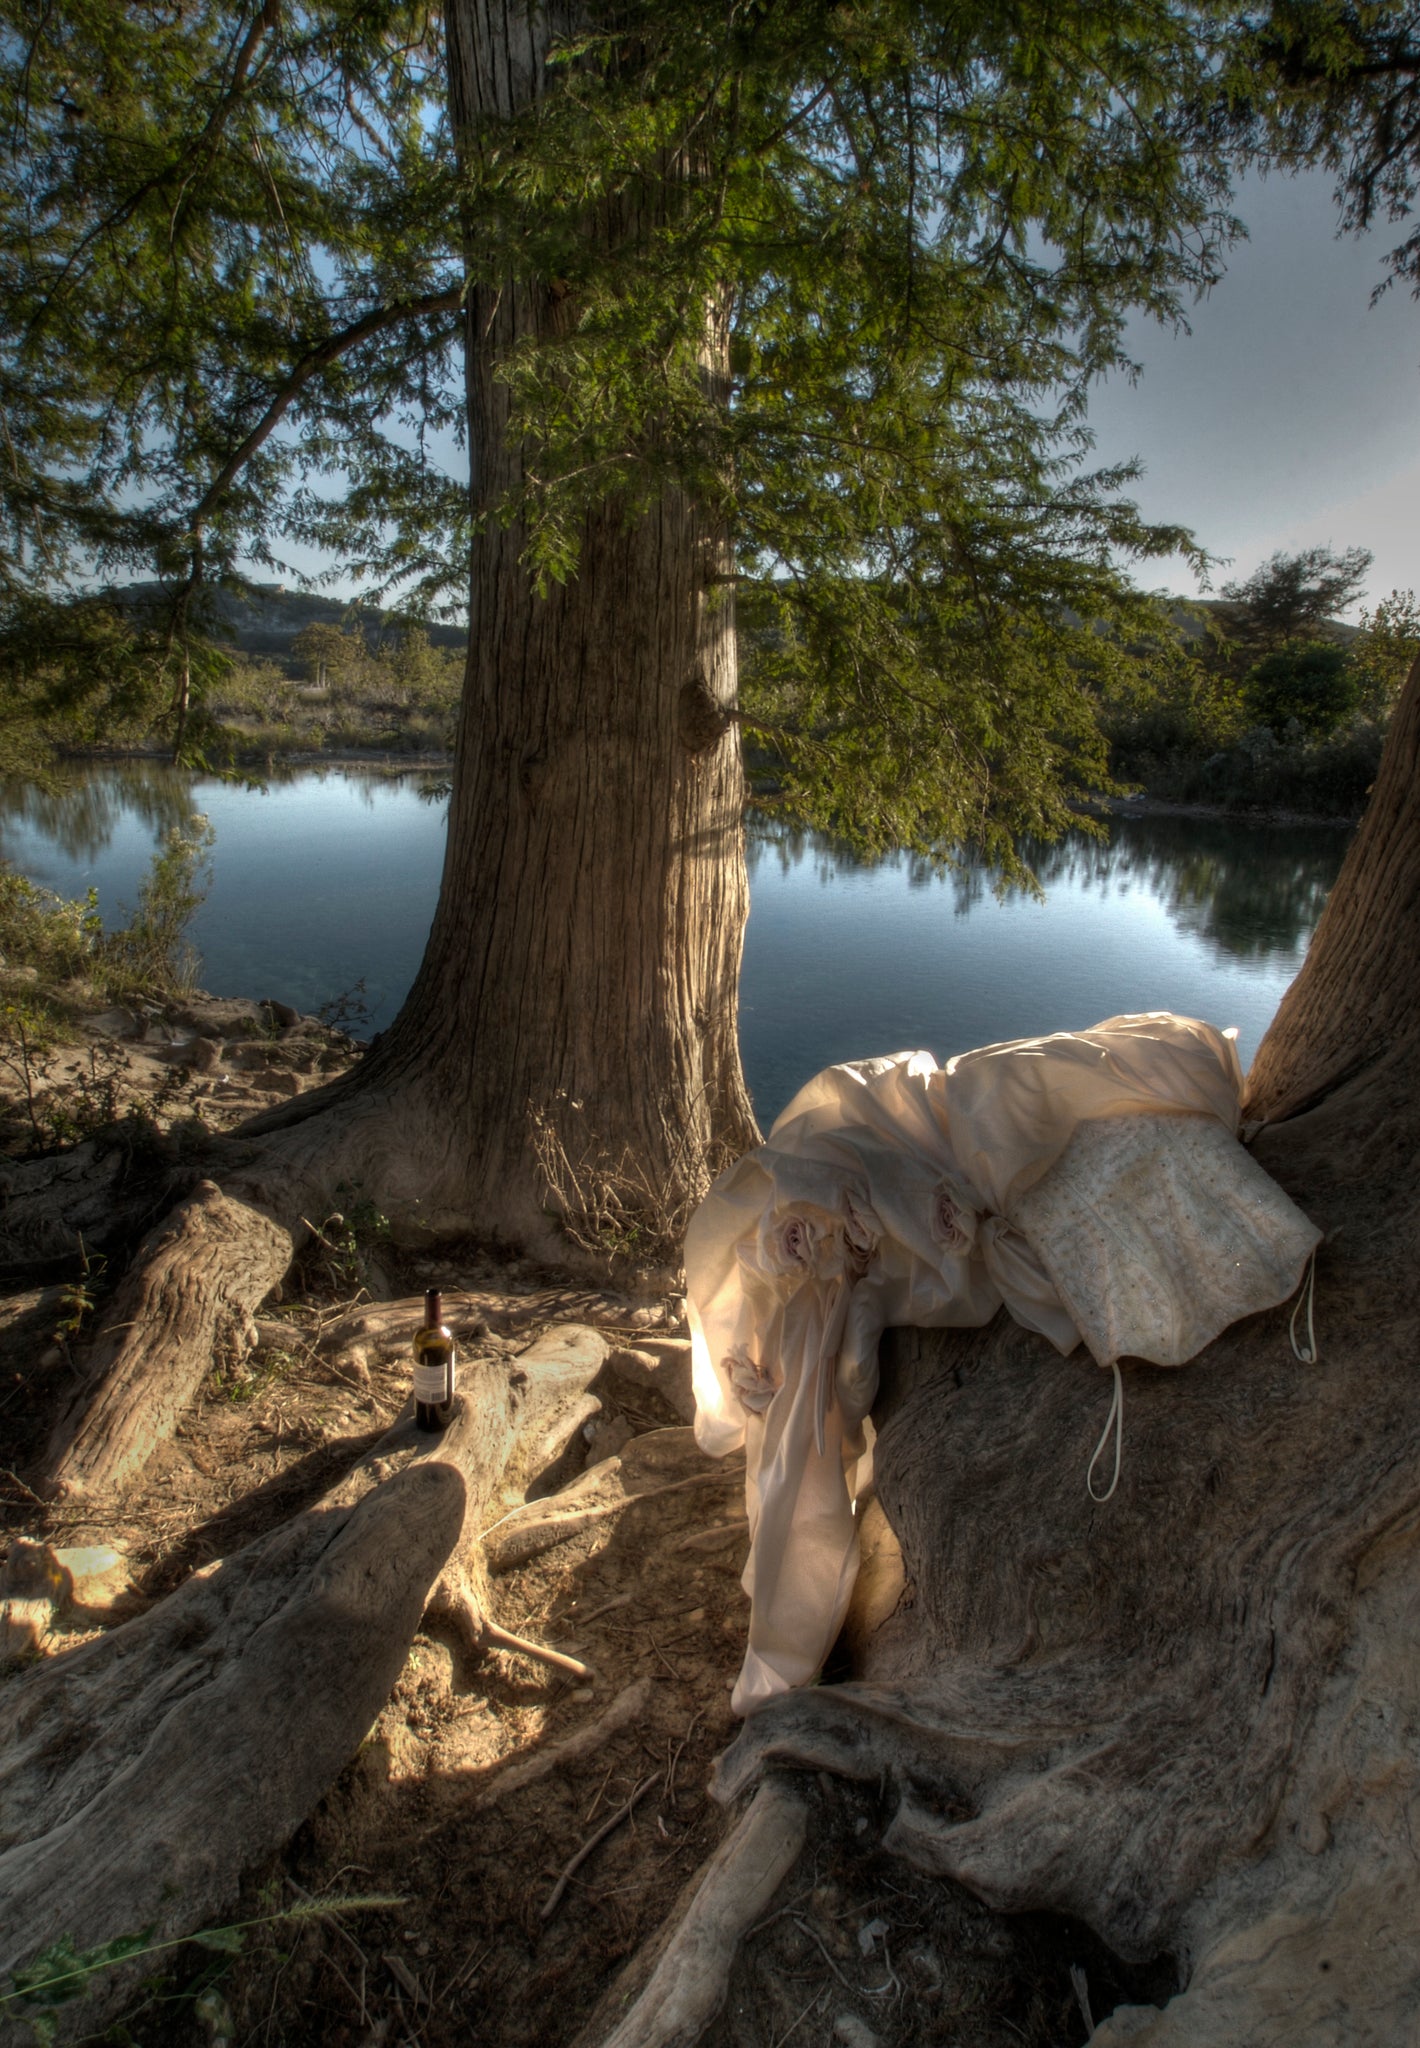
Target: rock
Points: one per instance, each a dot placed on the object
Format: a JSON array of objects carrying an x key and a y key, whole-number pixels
[
  {"x": 281, "y": 1083},
  {"x": 605, "y": 1436},
  {"x": 30, "y": 1572},
  {"x": 223, "y": 1017},
  {"x": 203, "y": 1055},
  {"x": 853, "y": 2032},
  {"x": 662, "y": 1363},
  {"x": 281, "y": 1016},
  {"x": 91, "y": 1582},
  {"x": 115, "y": 1024}
]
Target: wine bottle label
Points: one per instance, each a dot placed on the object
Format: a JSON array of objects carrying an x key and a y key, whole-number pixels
[{"x": 432, "y": 1381}]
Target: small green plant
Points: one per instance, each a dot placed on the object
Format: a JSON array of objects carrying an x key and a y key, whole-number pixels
[
  {"x": 27, "y": 1049},
  {"x": 63, "y": 1971},
  {"x": 343, "y": 1240},
  {"x": 79, "y": 1297},
  {"x": 152, "y": 952},
  {"x": 349, "y": 1008}
]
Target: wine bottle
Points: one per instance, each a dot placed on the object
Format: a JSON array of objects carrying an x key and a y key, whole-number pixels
[{"x": 433, "y": 1366}]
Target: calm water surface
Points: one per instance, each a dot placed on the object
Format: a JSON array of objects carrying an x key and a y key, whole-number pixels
[{"x": 329, "y": 878}]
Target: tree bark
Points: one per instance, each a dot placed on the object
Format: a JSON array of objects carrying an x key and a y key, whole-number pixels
[
  {"x": 143, "y": 1774},
  {"x": 1189, "y": 1717},
  {"x": 1353, "y": 1006},
  {"x": 582, "y": 967}
]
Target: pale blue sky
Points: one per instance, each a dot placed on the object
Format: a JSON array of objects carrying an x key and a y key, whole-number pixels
[{"x": 1290, "y": 415}]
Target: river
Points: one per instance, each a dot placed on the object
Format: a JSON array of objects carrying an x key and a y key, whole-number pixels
[{"x": 324, "y": 880}]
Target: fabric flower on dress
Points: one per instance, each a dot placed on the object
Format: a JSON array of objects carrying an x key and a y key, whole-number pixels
[
  {"x": 862, "y": 1232},
  {"x": 953, "y": 1220},
  {"x": 796, "y": 1245},
  {"x": 755, "y": 1385}
]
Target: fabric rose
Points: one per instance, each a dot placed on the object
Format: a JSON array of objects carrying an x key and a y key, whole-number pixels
[
  {"x": 755, "y": 1385},
  {"x": 861, "y": 1232},
  {"x": 795, "y": 1244},
  {"x": 953, "y": 1220}
]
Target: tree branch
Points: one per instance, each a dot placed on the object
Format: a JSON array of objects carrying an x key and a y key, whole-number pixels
[{"x": 310, "y": 365}]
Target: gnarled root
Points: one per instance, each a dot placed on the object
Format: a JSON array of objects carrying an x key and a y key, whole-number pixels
[
  {"x": 688, "y": 1985},
  {"x": 142, "y": 1774},
  {"x": 194, "y": 1286}
]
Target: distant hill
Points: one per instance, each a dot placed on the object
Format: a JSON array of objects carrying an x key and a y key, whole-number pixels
[{"x": 267, "y": 620}]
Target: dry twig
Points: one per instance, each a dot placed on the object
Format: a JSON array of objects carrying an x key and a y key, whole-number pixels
[{"x": 593, "y": 1841}]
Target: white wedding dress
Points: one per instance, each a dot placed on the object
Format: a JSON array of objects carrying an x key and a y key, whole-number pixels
[{"x": 1090, "y": 1181}]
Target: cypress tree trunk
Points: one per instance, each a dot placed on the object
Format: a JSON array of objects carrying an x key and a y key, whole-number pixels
[
  {"x": 582, "y": 968},
  {"x": 570, "y": 1045}
]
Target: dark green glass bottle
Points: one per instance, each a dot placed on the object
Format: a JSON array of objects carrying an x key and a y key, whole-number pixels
[{"x": 433, "y": 1366}]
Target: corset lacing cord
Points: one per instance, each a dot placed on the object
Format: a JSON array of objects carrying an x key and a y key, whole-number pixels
[
  {"x": 1306, "y": 1298},
  {"x": 1113, "y": 1421}
]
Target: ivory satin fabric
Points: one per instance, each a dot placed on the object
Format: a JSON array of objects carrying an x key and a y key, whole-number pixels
[{"x": 897, "y": 1192}]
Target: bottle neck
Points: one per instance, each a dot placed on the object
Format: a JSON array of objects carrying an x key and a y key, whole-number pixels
[{"x": 433, "y": 1308}]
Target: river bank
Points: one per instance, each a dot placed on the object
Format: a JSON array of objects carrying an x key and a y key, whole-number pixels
[{"x": 417, "y": 760}]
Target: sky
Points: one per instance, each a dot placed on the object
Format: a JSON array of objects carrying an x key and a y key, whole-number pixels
[
  {"x": 1290, "y": 416},
  {"x": 1287, "y": 418}
]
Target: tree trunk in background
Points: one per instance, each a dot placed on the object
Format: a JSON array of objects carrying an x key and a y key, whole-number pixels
[
  {"x": 583, "y": 963},
  {"x": 1189, "y": 1716},
  {"x": 1352, "y": 1011}
]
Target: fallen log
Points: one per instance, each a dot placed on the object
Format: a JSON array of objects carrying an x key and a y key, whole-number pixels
[{"x": 143, "y": 1773}]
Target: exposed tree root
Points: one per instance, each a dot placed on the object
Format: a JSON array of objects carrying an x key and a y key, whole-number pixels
[
  {"x": 198, "y": 1278},
  {"x": 1189, "y": 1718},
  {"x": 688, "y": 1985},
  {"x": 193, "y": 1290},
  {"x": 144, "y": 1773}
]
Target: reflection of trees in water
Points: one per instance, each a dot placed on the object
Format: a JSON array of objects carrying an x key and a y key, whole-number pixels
[
  {"x": 1252, "y": 891},
  {"x": 791, "y": 845},
  {"x": 81, "y": 816}
]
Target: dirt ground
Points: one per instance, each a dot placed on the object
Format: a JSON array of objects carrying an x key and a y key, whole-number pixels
[{"x": 530, "y": 1832}]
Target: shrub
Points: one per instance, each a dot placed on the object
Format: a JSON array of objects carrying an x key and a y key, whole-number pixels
[
  {"x": 152, "y": 952},
  {"x": 41, "y": 930},
  {"x": 1310, "y": 681}
]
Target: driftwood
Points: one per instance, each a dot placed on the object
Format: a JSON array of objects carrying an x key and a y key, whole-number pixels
[{"x": 143, "y": 1773}]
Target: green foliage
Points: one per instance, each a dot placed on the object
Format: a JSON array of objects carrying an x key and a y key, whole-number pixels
[
  {"x": 1307, "y": 683},
  {"x": 78, "y": 1297},
  {"x": 1384, "y": 651},
  {"x": 55, "y": 936},
  {"x": 1292, "y": 596},
  {"x": 37, "y": 1994},
  {"x": 1326, "y": 778},
  {"x": 843, "y": 276},
  {"x": 63, "y": 1972},
  {"x": 152, "y": 952},
  {"x": 1178, "y": 712},
  {"x": 1337, "y": 83},
  {"x": 334, "y": 1261}
]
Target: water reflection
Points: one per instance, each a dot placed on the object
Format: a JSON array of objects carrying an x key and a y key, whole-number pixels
[
  {"x": 1250, "y": 891},
  {"x": 81, "y": 816}
]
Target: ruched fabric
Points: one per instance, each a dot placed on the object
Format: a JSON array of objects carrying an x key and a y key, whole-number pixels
[{"x": 897, "y": 1192}]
